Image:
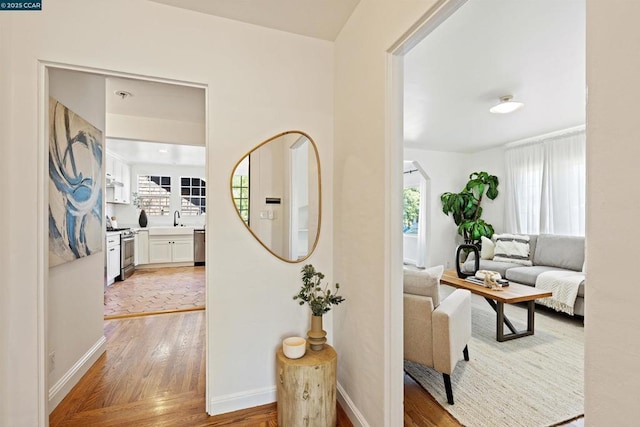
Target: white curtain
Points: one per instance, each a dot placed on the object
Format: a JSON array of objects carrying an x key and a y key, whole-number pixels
[
  {"x": 546, "y": 186},
  {"x": 563, "y": 193},
  {"x": 524, "y": 188},
  {"x": 421, "y": 253}
]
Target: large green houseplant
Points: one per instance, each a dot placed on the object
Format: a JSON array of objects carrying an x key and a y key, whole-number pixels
[{"x": 465, "y": 206}]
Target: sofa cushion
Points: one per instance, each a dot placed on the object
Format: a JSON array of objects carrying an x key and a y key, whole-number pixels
[
  {"x": 528, "y": 275},
  {"x": 424, "y": 282},
  {"x": 487, "y": 264},
  {"x": 512, "y": 248},
  {"x": 560, "y": 251}
]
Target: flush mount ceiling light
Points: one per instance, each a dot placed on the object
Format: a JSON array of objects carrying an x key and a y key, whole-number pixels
[
  {"x": 506, "y": 105},
  {"x": 123, "y": 94}
]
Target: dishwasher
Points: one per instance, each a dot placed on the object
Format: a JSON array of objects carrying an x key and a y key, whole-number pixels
[{"x": 199, "y": 252}]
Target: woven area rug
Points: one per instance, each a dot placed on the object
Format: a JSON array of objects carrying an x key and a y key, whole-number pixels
[{"x": 533, "y": 381}]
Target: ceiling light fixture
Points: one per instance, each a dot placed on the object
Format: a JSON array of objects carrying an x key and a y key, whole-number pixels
[
  {"x": 506, "y": 105},
  {"x": 163, "y": 150},
  {"x": 123, "y": 94}
]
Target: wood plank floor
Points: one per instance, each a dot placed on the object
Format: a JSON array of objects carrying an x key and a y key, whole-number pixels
[{"x": 153, "y": 374}]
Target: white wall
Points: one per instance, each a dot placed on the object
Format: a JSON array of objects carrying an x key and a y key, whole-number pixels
[
  {"x": 5, "y": 253},
  {"x": 361, "y": 222},
  {"x": 155, "y": 129},
  {"x": 491, "y": 161},
  {"x": 292, "y": 90},
  {"x": 127, "y": 214},
  {"x": 447, "y": 171},
  {"x": 612, "y": 317},
  {"x": 75, "y": 289}
]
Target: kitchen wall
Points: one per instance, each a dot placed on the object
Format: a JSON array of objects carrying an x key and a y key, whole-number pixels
[
  {"x": 259, "y": 82},
  {"x": 127, "y": 214},
  {"x": 75, "y": 302}
]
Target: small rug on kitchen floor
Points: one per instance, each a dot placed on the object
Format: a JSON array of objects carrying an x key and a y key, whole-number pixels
[{"x": 533, "y": 381}]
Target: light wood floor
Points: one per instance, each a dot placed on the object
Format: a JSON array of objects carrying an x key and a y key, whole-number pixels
[{"x": 153, "y": 374}]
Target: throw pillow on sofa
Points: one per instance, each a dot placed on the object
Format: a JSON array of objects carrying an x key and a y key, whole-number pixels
[
  {"x": 488, "y": 247},
  {"x": 512, "y": 248}
]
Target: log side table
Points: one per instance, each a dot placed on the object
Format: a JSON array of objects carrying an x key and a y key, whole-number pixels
[{"x": 306, "y": 388}]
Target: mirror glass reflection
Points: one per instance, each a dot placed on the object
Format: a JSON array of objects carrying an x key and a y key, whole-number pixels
[{"x": 276, "y": 192}]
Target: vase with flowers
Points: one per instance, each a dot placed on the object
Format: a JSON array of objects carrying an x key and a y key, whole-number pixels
[{"x": 320, "y": 299}]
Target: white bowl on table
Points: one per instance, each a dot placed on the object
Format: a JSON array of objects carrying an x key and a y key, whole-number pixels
[{"x": 294, "y": 347}]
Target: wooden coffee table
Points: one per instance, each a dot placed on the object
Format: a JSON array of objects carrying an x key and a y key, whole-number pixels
[{"x": 511, "y": 294}]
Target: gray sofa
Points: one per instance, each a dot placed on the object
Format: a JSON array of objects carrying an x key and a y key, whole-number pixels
[{"x": 547, "y": 252}]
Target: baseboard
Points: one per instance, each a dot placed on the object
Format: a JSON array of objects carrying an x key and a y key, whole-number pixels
[
  {"x": 236, "y": 401},
  {"x": 64, "y": 385},
  {"x": 349, "y": 407}
]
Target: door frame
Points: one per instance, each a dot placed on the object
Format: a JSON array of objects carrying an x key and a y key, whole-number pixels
[
  {"x": 394, "y": 153},
  {"x": 42, "y": 208}
]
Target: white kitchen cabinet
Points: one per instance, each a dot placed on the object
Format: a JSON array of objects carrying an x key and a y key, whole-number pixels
[
  {"x": 182, "y": 249},
  {"x": 113, "y": 257},
  {"x": 167, "y": 249},
  {"x": 141, "y": 238},
  {"x": 118, "y": 176}
]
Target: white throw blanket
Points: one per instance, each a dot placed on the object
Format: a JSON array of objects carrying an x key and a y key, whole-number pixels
[{"x": 564, "y": 285}]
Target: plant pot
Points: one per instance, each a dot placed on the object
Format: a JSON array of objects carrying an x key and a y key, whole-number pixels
[
  {"x": 142, "y": 219},
  {"x": 316, "y": 335}
]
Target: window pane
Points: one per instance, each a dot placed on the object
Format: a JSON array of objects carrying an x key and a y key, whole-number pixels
[
  {"x": 153, "y": 197},
  {"x": 191, "y": 192}
]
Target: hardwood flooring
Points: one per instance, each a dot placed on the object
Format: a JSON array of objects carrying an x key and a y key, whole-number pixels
[{"x": 153, "y": 374}]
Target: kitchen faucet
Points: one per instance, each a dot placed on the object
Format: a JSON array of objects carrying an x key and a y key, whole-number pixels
[{"x": 175, "y": 221}]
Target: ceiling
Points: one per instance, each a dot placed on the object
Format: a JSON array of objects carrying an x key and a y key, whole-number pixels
[
  {"x": 157, "y": 153},
  {"x": 321, "y": 19},
  {"x": 532, "y": 49},
  {"x": 155, "y": 100}
]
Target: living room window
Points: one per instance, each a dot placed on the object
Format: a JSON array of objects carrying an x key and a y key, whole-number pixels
[
  {"x": 154, "y": 192},
  {"x": 411, "y": 210},
  {"x": 546, "y": 185}
]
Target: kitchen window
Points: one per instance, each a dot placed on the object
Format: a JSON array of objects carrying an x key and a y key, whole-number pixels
[
  {"x": 193, "y": 193},
  {"x": 154, "y": 193}
]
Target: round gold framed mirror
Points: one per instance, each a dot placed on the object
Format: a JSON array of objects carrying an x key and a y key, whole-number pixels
[{"x": 276, "y": 190}]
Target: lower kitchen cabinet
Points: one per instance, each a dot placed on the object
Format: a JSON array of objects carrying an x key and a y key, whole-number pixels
[
  {"x": 142, "y": 247},
  {"x": 164, "y": 249},
  {"x": 113, "y": 257}
]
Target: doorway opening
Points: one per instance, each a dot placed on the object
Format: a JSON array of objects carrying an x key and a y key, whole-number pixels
[{"x": 149, "y": 128}]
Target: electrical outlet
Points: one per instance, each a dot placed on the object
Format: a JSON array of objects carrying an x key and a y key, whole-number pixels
[{"x": 52, "y": 361}]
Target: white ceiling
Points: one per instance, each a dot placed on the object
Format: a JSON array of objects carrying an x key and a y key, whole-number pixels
[
  {"x": 532, "y": 49},
  {"x": 321, "y": 19},
  {"x": 144, "y": 152},
  {"x": 158, "y": 101}
]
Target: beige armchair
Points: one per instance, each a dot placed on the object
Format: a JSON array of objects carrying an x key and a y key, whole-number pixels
[{"x": 435, "y": 333}]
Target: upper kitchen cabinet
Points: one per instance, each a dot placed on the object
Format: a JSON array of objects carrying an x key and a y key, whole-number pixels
[{"x": 118, "y": 179}]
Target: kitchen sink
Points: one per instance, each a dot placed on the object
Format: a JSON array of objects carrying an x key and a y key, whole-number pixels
[{"x": 170, "y": 231}]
